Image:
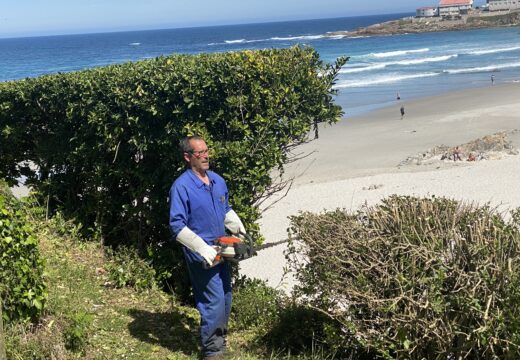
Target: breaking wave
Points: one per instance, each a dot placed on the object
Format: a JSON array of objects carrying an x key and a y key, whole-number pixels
[
  {"x": 483, "y": 68},
  {"x": 381, "y": 80},
  {"x": 239, "y": 41},
  {"x": 399, "y": 53},
  {"x": 493, "y": 51},
  {"x": 401, "y": 62}
]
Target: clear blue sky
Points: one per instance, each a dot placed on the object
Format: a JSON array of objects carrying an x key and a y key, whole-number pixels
[{"x": 46, "y": 17}]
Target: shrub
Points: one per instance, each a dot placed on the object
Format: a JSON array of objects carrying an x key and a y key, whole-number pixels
[
  {"x": 413, "y": 278},
  {"x": 22, "y": 288},
  {"x": 301, "y": 330},
  {"x": 76, "y": 331},
  {"x": 126, "y": 268},
  {"x": 255, "y": 305},
  {"x": 102, "y": 143}
]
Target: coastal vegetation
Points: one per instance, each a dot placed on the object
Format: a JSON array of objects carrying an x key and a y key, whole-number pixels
[
  {"x": 100, "y": 145},
  {"x": 22, "y": 287},
  {"x": 414, "y": 278},
  {"x": 409, "y": 278},
  {"x": 90, "y": 313}
]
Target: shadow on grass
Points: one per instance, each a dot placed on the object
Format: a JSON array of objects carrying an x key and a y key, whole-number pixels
[{"x": 170, "y": 330}]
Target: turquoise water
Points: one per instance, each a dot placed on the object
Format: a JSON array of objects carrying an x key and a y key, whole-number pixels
[{"x": 414, "y": 65}]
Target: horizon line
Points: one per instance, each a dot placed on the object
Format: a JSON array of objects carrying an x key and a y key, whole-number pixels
[{"x": 2, "y": 37}]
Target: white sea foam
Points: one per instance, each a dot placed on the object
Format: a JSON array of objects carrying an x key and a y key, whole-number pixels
[
  {"x": 424, "y": 60},
  {"x": 493, "y": 51},
  {"x": 303, "y": 37},
  {"x": 399, "y": 53},
  {"x": 381, "y": 80},
  {"x": 364, "y": 68},
  {"x": 239, "y": 41},
  {"x": 135, "y": 44},
  {"x": 483, "y": 68},
  {"x": 276, "y": 38},
  {"x": 382, "y": 65},
  {"x": 336, "y": 37}
]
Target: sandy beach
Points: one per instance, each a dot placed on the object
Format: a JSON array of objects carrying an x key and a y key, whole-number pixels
[{"x": 357, "y": 161}]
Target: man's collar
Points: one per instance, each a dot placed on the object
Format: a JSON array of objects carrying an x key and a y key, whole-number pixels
[{"x": 198, "y": 181}]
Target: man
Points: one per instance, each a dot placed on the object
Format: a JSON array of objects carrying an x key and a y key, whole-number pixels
[
  {"x": 402, "y": 111},
  {"x": 199, "y": 214}
]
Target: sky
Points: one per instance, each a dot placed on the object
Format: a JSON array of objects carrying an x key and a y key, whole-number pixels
[{"x": 54, "y": 17}]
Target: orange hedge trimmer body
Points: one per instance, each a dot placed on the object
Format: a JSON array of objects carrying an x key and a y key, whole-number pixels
[{"x": 234, "y": 249}]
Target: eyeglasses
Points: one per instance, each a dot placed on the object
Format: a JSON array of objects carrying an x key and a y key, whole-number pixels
[{"x": 199, "y": 153}]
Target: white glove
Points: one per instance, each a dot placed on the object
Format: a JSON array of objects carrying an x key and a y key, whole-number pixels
[
  {"x": 195, "y": 243},
  {"x": 232, "y": 223}
]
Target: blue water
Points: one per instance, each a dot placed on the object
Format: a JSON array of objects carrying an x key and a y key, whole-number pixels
[{"x": 414, "y": 65}]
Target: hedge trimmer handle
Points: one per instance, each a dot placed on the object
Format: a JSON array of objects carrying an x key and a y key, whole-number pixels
[{"x": 218, "y": 258}]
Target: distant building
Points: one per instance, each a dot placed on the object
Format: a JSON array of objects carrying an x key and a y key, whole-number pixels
[
  {"x": 496, "y": 5},
  {"x": 454, "y": 8},
  {"x": 426, "y": 12}
]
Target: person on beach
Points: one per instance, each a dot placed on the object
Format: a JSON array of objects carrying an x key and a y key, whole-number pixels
[
  {"x": 199, "y": 214},
  {"x": 398, "y": 97},
  {"x": 456, "y": 154},
  {"x": 492, "y": 79},
  {"x": 402, "y": 111}
]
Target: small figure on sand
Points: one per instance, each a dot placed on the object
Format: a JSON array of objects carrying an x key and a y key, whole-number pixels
[
  {"x": 456, "y": 154},
  {"x": 492, "y": 79},
  {"x": 402, "y": 111},
  {"x": 398, "y": 97}
]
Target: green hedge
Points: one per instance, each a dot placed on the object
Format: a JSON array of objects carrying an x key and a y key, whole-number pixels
[
  {"x": 101, "y": 144},
  {"x": 22, "y": 288},
  {"x": 413, "y": 278}
]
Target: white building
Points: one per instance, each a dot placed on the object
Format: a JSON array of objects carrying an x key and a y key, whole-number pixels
[
  {"x": 496, "y": 5},
  {"x": 426, "y": 12},
  {"x": 451, "y": 8}
]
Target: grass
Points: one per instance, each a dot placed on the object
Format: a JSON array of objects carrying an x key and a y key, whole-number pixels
[{"x": 88, "y": 318}]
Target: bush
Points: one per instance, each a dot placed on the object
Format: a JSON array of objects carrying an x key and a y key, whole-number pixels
[
  {"x": 106, "y": 138},
  {"x": 76, "y": 331},
  {"x": 22, "y": 288},
  {"x": 301, "y": 330},
  {"x": 255, "y": 305},
  {"x": 126, "y": 268},
  {"x": 101, "y": 144},
  {"x": 413, "y": 278}
]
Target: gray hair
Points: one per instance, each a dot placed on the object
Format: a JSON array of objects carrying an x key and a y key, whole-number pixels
[{"x": 184, "y": 143}]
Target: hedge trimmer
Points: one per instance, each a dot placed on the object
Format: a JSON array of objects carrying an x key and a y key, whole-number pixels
[{"x": 235, "y": 249}]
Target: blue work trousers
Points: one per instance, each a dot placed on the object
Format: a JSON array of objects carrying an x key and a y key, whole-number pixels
[{"x": 212, "y": 291}]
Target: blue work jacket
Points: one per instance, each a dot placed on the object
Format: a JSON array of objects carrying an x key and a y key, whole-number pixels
[{"x": 200, "y": 207}]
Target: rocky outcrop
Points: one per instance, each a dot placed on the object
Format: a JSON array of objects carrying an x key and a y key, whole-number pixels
[{"x": 417, "y": 25}]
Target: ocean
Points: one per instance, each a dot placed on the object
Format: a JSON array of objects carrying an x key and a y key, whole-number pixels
[{"x": 413, "y": 65}]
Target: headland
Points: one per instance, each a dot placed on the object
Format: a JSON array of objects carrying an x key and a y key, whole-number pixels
[{"x": 410, "y": 25}]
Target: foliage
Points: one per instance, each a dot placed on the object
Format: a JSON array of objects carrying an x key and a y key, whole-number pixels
[
  {"x": 255, "y": 304},
  {"x": 22, "y": 288},
  {"x": 127, "y": 268},
  {"x": 76, "y": 331},
  {"x": 300, "y": 330},
  {"x": 85, "y": 319},
  {"x": 413, "y": 278},
  {"x": 102, "y": 143}
]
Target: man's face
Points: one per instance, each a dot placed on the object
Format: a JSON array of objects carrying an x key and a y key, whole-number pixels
[{"x": 198, "y": 158}]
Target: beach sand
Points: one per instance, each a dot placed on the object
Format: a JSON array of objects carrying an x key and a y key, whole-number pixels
[{"x": 357, "y": 161}]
